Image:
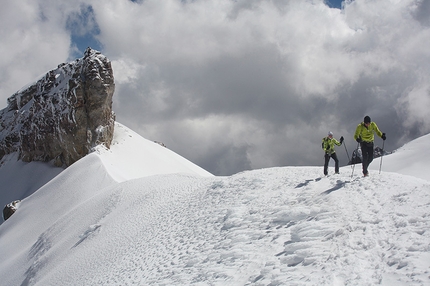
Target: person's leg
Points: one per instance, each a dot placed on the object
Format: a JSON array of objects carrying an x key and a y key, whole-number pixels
[
  {"x": 365, "y": 156},
  {"x": 370, "y": 154},
  {"x": 336, "y": 163},
  {"x": 326, "y": 159},
  {"x": 368, "y": 150}
]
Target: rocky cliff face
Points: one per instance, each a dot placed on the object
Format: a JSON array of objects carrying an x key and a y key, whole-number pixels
[{"x": 63, "y": 115}]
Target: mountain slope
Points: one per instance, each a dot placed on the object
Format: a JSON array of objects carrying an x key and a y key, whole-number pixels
[
  {"x": 96, "y": 223},
  {"x": 130, "y": 156}
]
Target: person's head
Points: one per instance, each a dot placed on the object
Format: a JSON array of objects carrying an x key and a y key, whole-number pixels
[
  {"x": 367, "y": 120},
  {"x": 330, "y": 134}
]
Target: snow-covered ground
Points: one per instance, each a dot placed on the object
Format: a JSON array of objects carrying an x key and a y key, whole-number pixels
[{"x": 139, "y": 214}]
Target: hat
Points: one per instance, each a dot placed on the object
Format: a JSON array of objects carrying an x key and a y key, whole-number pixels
[
  {"x": 367, "y": 119},
  {"x": 330, "y": 133}
]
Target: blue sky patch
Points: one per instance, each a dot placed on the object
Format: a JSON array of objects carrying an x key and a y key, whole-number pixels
[{"x": 84, "y": 29}]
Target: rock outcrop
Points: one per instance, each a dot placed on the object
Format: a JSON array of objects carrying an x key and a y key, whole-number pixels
[
  {"x": 10, "y": 209},
  {"x": 63, "y": 115}
]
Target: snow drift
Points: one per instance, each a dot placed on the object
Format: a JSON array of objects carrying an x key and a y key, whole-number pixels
[{"x": 139, "y": 214}]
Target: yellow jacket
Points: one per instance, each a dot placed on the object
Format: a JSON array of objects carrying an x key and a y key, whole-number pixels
[
  {"x": 328, "y": 145},
  {"x": 366, "y": 133}
]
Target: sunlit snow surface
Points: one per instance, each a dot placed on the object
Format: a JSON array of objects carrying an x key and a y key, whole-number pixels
[{"x": 160, "y": 220}]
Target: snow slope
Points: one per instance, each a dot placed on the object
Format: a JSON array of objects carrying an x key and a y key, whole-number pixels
[
  {"x": 132, "y": 156},
  {"x": 411, "y": 159},
  {"x": 19, "y": 179},
  {"x": 107, "y": 220}
]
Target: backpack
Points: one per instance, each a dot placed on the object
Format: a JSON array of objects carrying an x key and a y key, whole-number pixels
[{"x": 323, "y": 141}]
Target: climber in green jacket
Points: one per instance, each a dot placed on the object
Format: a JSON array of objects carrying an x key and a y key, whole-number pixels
[
  {"x": 328, "y": 146},
  {"x": 365, "y": 137}
]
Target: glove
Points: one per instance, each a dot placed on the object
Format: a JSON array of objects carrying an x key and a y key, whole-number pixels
[
  {"x": 359, "y": 140},
  {"x": 341, "y": 139},
  {"x": 383, "y": 136}
]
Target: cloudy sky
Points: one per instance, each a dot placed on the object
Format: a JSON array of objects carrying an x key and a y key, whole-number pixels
[{"x": 238, "y": 85}]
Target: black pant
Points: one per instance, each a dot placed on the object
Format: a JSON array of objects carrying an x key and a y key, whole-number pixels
[
  {"x": 367, "y": 152},
  {"x": 327, "y": 159}
]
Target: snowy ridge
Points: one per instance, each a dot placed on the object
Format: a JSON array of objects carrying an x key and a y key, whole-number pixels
[
  {"x": 132, "y": 156},
  {"x": 275, "y": 226}
]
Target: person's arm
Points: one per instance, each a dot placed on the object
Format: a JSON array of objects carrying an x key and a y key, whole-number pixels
[
  {"x": 357, "y": 132},
  {"x": 375, "y": 127}
]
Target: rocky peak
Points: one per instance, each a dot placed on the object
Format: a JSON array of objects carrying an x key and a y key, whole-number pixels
[{"x": 63, "y": 115}]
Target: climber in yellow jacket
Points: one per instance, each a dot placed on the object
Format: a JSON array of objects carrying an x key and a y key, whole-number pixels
[
  {"x": 364, "y": 134},
  {"x": 328, "y": 146}
]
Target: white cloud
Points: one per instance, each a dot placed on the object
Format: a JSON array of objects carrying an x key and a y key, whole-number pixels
[
  {"x": 34, "y": 41},
  {"x": 126, "y": 71},
  {"x": 415, "y": 107}
]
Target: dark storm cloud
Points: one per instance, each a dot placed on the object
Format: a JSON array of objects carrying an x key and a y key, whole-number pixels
[
  {"x": 422, "y": 12},
  {"x": 282, "y": 83}
]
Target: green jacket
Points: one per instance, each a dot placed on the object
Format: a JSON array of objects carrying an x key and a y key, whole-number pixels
[
  {"x": 366, "y": 133},
  {"x": 328, "y": 144}
]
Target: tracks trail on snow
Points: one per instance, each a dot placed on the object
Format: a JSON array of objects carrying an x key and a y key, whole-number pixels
[{"x": 276, "y": 226}]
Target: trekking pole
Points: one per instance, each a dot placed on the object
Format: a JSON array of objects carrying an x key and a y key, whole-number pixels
[
  {"x": 353, "y": 165},
  {"x": 344, "y": 145},
  {"x": 382, "y": 155}
]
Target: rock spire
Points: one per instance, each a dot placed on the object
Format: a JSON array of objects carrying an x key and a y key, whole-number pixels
[{"x": 63, "y": 115}]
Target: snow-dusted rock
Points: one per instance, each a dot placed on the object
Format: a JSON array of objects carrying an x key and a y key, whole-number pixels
[
  {"x": 63, "y": 115},
  {"x": 10, "y": 209}
]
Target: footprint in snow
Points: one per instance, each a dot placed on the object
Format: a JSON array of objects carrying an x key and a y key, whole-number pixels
[{"x": 93, "y": 228}]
